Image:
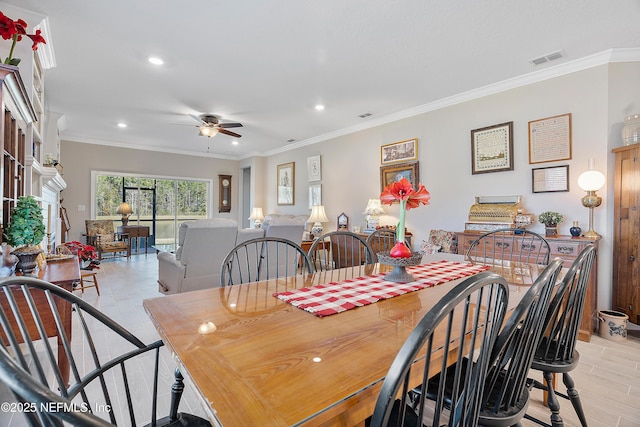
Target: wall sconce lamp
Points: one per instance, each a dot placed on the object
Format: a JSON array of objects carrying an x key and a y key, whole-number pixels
[
  {"x": 257, "y": 217},
  {"x": 125, "y": 210},
  {"x": 373, "y": 211},
  {"x": 591, "y": 181},
  {"x": 318, "y": 216}
]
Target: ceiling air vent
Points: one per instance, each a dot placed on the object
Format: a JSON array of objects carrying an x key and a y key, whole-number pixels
[
  {"x": 363, "y": 115},
  {"x": 547, "y": 58},
  {"x": 291, "y": 140}
]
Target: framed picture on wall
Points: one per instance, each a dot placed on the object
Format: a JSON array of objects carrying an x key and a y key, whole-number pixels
[
  {"x": 550, "y": 139},
  {"x": 286, "y": 184},
  {"x": 492, "y": 148},
  {"x": 314, "y": 168},
  {"x": 399, "y": 151},
  {"x": 315, "y": 195},
  {"x": 550, "y": 180},
  {"x": 393, "y": 173}
]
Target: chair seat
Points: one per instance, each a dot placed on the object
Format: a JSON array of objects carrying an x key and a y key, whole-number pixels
[
  {"x": 114, "y": 245},
  {"x": 559, "y": 366}
]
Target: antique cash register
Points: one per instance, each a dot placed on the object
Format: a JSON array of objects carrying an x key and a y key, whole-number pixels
[{"x": 490, "y": 213}]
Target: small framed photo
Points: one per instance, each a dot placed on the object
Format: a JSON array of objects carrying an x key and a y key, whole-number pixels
[
  {"x": 550, "y": 180},
  {"x": 399, "y": 151},
  {"x": 392, "y": 173},
  {"x": 314, "y": 168},
  {"x": 343, "y": 222},
  {"x": 492, "y": 148},
  {"x": 550, "y": 139},
  {"x": 315, "y": 195},
  {"x": 286, "y": 184}
]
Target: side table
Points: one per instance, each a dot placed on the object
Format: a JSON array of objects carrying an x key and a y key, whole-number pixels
[{"x": 136, "y": 232}]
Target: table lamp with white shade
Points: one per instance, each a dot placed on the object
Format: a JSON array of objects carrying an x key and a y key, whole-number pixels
[
  {"x": 373, "y": 211},
  {"x": 257, "y": 217},
  {"x": 318, "y": 216},
  {"x": 591, "y": 181}
]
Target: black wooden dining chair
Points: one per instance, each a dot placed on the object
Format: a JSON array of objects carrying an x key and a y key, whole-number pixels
[
  {"x": 340, "y": 249},
  {"x": 470, "y": 314},
  {"x": 113, "y": 375},
  {"x": 556, "y": 353},
  {"x": 506, "y": 393},
  {"x": 263, "y": 258},
  {"x": 508, "y": 245}
]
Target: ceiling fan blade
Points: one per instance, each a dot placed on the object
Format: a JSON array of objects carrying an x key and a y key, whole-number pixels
[
  {"x": 197, "y": 119},
  {"x": 228, "y": 132},
  {"x": 229, "y": 125}
]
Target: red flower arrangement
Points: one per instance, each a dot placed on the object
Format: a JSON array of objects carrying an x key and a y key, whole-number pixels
[
  {"x": 10, "y": 29},
  {"x": 85, "y": 253},
  {"x": 409, "y": 198}
]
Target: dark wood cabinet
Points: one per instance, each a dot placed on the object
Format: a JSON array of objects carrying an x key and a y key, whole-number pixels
[{"x": 626, "y": 232}]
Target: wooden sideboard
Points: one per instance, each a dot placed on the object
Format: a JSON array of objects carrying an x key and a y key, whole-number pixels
[
  {"x": 64, "y": 274},
  {"x": 566, "y": 248},
  {"x": 306, "y": 244}
]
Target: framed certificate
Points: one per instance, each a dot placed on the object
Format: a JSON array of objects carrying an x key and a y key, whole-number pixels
[
  {"x": 550, "y": 180},
  {"x": 550, "y": 139}
]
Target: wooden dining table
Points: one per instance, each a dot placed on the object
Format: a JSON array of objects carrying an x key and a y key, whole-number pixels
[{"x": 257, "y": 360}]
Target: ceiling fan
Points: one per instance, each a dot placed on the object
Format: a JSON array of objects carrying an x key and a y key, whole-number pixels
[{"x": 210, "y": 125}]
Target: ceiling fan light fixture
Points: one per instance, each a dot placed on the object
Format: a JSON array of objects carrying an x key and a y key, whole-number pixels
[{"x": 208, "y": 131}]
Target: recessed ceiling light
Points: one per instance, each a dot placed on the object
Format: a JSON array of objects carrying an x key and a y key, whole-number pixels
[
  {"x": 122, "y": 125},
  {"x": 235, "y": 142},
  {"x": 155, "y": 60},
  {"x": 319, "y": 107}
]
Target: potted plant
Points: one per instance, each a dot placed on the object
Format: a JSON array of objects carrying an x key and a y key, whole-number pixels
[
  {"x": 25, "y": 232},
  {"x": 550, "y": 220}
]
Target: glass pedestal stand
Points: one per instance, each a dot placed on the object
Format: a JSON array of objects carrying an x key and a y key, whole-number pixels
[{"x": 399, "y": 273}]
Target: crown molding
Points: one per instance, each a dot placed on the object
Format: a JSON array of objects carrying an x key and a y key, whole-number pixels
[
  {"x": 595, "y": 60},
  {"x": 45, "y": 51}
]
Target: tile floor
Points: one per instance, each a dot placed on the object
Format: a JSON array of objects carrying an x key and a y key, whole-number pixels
[{"x": 608, "y": 376}]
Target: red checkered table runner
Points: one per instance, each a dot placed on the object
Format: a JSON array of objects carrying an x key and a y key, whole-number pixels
[{"x": 336, "y": 297}]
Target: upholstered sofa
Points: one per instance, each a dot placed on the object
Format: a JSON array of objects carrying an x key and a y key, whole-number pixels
[{"x": 203, "y": 245}]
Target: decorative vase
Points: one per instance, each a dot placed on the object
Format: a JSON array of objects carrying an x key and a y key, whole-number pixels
[
  {"x": 551, "y": 230},
  {"x": 400, "y": 250},
  {"x": 575, "y": 231},
  {"x": 27, "y": 259},
  {"x": 631, "y": 129},
  {"x": 399, "y": 273}
]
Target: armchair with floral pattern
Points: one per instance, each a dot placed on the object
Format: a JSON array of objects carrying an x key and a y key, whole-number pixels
[
  {"x": 101, "y": 235},
  {"x": 444, "y": 241}
]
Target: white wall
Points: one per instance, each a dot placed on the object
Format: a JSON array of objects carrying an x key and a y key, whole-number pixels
[
  {"x": 351, "y": 164},
  {"x": 598, "y": 99}
]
